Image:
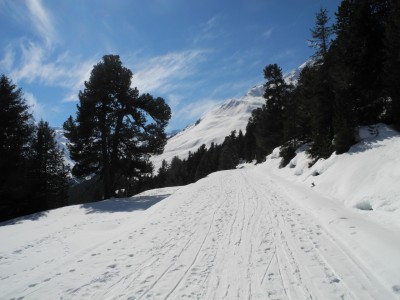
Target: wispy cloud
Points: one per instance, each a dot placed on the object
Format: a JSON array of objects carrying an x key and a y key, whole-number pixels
[
  {"x": 267, "y": 33},
  {"x": 80, "y": 73},
  {"x": 163, "y": 73},
  {"x": 196, "y": 109},
  {"x": 42, "y": 20},
  {"x": 209, "y": 30},
  {"x": 36, "y": 64},
  {"x": 35, "y": 107},
  {"x": 8, "y": 60},
  {"x": 288, "y": 53}
]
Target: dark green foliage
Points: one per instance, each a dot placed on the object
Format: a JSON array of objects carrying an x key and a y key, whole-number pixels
[
  {"x": 201, "y": 162},
  {"x": 175, "y": 174},
  {"x": 116, "y": 129},
  {"x": 265, "y": 129},
  {"x": 16, "y": 133},
  {"x": 32, "y": 174},
  {"x": 352, "y": 80},
  {"x": 321, "y": 35},
  {"x": 48, "y": 172},
  {"x": 229, "y": 154},
  {"x": 391, "y": 93},
  {"x": 359, "y": 56},
  {"x": 287, "y": 152}
]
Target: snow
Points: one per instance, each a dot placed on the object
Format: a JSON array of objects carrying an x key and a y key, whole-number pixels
[
  {"x": 365, "y": 178},
  {"x": 257, "y": 232},
  {"x": 214, "y": 125},
  {"x": 329, "y": 231},
  {"x": 62, "y": 144}
]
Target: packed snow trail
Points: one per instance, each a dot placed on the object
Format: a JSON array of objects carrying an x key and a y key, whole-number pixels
[{"x": 241, "y": 234}]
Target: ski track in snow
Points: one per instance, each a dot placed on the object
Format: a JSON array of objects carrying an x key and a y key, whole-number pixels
[{"x": 232, "y": 235}]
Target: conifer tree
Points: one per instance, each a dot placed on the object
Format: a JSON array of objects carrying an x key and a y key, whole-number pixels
[
  {"x": 116, "y": 129},
  {"x": 16, "y": 131},
  {"x": 268, "y": 121},
  {"x": 359, "y": 54},
  {"x": 162, "y": 174},
  {"x": 321, "y": 34},
  {"x": 48, "y": 171},
  {"x": 391, "y": 73}
]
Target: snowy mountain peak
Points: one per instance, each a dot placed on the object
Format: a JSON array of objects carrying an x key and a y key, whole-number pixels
[
  {"x": 215, "y": 125},
  {"x": 232, "y": 114},
  {"x": 256, "y": 91}
]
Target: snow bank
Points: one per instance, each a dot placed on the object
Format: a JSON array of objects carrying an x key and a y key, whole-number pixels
[{"x": 366, "y": 178}]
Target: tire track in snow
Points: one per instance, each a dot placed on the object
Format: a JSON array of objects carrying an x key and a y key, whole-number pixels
[{"x": 196, "y": 256}]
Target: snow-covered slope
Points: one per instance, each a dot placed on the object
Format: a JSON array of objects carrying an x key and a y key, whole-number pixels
[
  {"x": 366, "y": 178},
  {"x": 239, "y": 234},
  {"x": 213, "y": 126},
  {"x": 62, "y": 143},
  {"x": 216, "y": 124}
]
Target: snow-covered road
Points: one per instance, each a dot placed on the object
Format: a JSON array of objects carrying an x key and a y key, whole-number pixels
[{"x": 241, "y": 234}]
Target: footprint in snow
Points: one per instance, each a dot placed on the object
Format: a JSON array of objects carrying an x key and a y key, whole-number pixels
[
  {"x": 396, "y": 289},
  {"x": 32, "y": 285}
]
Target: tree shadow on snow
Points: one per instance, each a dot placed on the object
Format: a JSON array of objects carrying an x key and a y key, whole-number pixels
[
  {"x": 19, "y": 220},
  {"x": 382, "y": 133},
  {"x": 123, "y": 204}
]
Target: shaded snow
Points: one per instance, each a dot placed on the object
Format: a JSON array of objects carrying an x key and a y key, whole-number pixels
[
  {"x": 366, "y": 178},
  {"x": 239, "y": 234},
  {"x": 215, "y": 125},
  {"x": 212, "y": 127}
]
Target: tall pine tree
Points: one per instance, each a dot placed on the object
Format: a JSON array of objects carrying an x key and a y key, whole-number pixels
[
  {"x": 48, "y": 172},
  {"x": 16, "y": 132},
  {"x": 391, "y": 73},
  {"x": 116, "y": 129}
]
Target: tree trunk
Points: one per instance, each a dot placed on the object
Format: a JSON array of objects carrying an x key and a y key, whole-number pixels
[{"x": 105, "y": 156}]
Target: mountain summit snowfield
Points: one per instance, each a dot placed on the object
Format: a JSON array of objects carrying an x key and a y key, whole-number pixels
[
  {"x": 215, "y": 125},
  {"x": 212, "y": 127},
  {"x": 330, "y": 231}
]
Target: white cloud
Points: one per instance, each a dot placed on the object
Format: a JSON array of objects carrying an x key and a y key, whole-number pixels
[
  {"x": 35, "y": 65},
  {"x": 209, "y": 30},
  {"x": 196, "y": 109},
  {"x": 8, "y": 59},
  {"x": 267, "y": 33},
  {"x": 35, "y": 107},
  {"x": 81, "y": 73},
  {"x": 42, "y": 20},
  {"x": 162, "y": 73}
]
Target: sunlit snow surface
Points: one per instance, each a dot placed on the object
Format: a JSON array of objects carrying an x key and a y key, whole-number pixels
[
  {"x": 215, "y": 125},
  {"x": 258, "y": 232},
  {"x": 233, "y": 114}
]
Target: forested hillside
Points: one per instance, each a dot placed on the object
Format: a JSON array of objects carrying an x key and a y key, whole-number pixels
[{"x": 350, "y": 81}]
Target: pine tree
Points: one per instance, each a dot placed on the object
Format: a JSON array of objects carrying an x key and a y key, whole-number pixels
[
  {"x": 391, "y": 73},
  {"x": 115, "y": 130},
  {"x": 267, "y": 122},
  {"x": 359, "y": 53},
  {"x": 229, "y": 157},
  {"x": 48, "y": 171},
  {"x": 162, "y": 174},
  {"x": 16, "y": 131},
  {"x": 174, "y": 177},
  {"x": 321, "y": 34}
]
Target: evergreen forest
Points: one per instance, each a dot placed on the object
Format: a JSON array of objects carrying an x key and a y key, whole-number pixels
[{"x": 351, "y": 80}]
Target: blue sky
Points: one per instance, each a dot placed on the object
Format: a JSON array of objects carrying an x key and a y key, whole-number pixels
[{"x": 193, "y": 53}]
